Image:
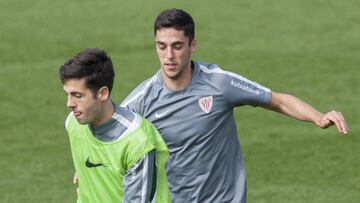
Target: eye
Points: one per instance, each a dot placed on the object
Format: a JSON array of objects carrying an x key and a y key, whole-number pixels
[
  {"x": 178, "y": 46},
  {"x": 161, "y": 46},
  {"x": 78, "y": 95}
]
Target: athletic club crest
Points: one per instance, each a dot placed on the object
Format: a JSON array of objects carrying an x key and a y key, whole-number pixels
[{"x": 206, "y": 103}]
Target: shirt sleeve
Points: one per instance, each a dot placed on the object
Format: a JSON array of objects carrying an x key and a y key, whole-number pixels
[
  {"x": 139, "y": 183},
  {"x": 239, "y": 91}
]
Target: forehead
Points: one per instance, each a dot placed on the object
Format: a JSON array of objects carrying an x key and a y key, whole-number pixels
[
  {"x": 75, "y": 85},
  {"x": 170, "y": 35}
]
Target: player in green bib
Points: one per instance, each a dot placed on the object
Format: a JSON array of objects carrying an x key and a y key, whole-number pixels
[{"x": 118, "y": 155}]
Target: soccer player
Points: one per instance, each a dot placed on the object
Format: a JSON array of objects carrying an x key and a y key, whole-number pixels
[
  {"x": 191, "y": 103},
  {"x": 118, "y": 155}
]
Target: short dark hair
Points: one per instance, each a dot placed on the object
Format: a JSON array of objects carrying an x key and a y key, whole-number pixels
[
  {"x": 178, "y": 19},
  {"x": 92, "y": 64}
]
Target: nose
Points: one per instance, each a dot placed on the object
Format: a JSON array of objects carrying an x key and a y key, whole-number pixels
[
  {"x": 170, "y": 53},
  {"x": 70, "y": 102}
]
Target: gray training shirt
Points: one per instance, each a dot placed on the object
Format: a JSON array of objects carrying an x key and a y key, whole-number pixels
[{"x": 197, "y": 124}]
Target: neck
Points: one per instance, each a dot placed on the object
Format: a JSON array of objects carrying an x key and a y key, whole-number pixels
[
  {"x": 108, "y": 110},
  {"x": 181, "y": 82}
]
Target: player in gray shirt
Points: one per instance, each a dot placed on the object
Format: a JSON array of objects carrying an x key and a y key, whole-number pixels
[{"x": 191, "y": 103}]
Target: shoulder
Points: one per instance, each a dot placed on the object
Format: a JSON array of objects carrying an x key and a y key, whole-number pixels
[
  {"x": 144, "y": 130},
  {"x": 139, "y": 141},
  {"x": 135, "y": 122},
  {"x": 141, "y": 90},
  {"x": 152, "y": 135},
  {"x": 215, "y": 70},
  {"x": 208, "y": 67},
  {"x": 228, "y": 77},
  {"x": 212, "y": 71}
]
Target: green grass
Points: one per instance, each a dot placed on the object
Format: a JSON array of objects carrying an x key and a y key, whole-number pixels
[{"x": 306, "y": 48}]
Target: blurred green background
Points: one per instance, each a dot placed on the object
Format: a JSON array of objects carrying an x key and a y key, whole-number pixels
[{"x": 309, "y": 48}]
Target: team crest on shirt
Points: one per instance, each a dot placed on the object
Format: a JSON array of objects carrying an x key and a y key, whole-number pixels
[{"x": 206, "y": 103}]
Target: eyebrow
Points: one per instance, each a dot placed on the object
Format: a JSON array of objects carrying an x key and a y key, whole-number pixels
[
  {"x": 174, "y": 43},
  {"x": 178, "y": 42},
  {"x": 72, "y": 93}
]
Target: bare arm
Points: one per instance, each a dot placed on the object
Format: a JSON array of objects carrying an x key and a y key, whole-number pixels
[{"x": 296, "y": 108}]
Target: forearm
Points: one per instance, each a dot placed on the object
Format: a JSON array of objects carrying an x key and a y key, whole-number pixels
[{"x": 294, "y": 107}]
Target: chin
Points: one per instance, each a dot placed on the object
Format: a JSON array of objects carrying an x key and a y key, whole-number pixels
[{"x": 82, "y": 122}]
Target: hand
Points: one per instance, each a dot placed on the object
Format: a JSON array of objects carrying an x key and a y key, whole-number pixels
[
  {"x": 334, "y": 117},
  {"x": 75, "y": 182}
]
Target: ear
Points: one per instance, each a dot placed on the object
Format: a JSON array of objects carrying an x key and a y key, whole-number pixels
[
  {"x": 103, "y": 94},
  {"x": 193, "y": 45}
]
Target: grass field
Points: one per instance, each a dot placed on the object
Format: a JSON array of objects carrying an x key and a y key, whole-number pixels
[{"x": 308, "y": 48}]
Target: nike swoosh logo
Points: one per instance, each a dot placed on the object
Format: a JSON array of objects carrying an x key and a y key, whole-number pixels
[
  {"x": 91, "y": 165},
  {"x": 159, "y": 115}
]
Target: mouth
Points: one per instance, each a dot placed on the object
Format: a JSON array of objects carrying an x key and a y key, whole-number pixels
[
  {"x": 170, "y": 65},
  {"x": 77, "y": 113}
]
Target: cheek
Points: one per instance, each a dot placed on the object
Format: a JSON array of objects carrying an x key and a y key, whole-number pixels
[
  {"x": 89, "y": 106},
  {"x": 160, "y": 53},
  {"x": 184, "y": 56}
]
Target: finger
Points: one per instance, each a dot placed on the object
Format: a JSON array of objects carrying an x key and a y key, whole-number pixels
[
  {"x": 344, "y": 125},
  {"x": 338, "y": 120},
  {"x": 325, "y": 123},
  {"x": 330, "y": 118},
  {"x": 75, "y": 180},
  {"x": 335, "y": 118}
]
